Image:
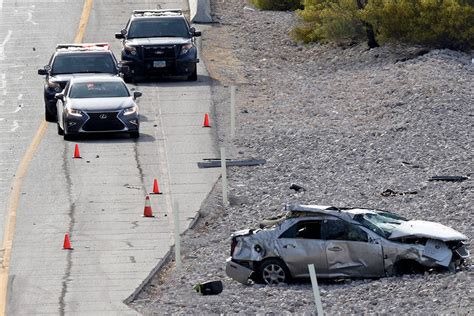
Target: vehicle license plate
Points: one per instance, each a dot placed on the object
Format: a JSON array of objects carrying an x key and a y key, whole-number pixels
[{"x": 159, "y": 64}]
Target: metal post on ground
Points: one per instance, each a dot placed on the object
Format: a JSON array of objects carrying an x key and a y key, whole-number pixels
[
  {"x": 314, "y": 283},
  {"x": 232, "y": 112},
  {"x": 177, "y": 237},
  {"x": 225, "y": 200}
]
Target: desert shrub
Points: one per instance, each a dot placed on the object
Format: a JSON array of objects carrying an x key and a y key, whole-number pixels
[
  {"x": 329, "y": 20},
  {"x": 277, "y": 5},
  {"x": 436, "y": 23}
]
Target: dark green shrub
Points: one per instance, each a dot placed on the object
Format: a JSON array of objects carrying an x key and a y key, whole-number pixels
[
  {"x": 277, "y": 5},
  {"x": 435, "y": 23},
  {"x": 329, "y": 20}
]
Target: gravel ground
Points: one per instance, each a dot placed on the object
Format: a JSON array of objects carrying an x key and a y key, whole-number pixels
[{"x": 346, "y": 123}]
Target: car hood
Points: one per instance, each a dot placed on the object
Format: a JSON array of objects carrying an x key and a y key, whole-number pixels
[
  {"x": 101, "y": 104},
  {"x": 158, "y": 41},
  {"x": 426, "y": 229}
]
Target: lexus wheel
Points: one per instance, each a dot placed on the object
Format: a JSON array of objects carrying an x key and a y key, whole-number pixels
[{"x": 60, "y": 130}]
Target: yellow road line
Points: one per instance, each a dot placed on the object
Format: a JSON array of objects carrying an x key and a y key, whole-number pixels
[{"x": 20, "y": 175}]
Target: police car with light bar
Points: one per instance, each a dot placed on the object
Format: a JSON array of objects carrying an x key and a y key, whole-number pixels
[
  {"x": 159, "y": 42},
  {"x": 74, "y": 60}
]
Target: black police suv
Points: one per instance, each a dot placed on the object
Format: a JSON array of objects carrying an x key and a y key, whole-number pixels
[
  {"x": 159, "y": 42},
  {"x": 70, "y": 60}
]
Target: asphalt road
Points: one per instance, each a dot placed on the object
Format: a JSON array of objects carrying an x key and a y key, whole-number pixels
[{"x": 98, "y": 199}]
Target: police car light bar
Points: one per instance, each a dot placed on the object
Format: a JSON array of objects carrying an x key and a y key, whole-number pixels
[
  {"x": 158, "y": 12},
  {"x": 84, "y": 46}
]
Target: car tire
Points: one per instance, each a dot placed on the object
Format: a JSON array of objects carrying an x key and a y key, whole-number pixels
[
  {"x": 403, "y": 267},
  {"x": 135, "y": 135},
  {"x": 48, "y": 116},
  {"x": 193, "y": 76},
  {"x": 60, "y": 130},
  {"x": 273, "y": 272}
]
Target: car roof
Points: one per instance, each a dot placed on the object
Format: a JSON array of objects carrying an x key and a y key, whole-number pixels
[
  {"x": 346, "y": 213},
  {"x": 96, "y": 78}
]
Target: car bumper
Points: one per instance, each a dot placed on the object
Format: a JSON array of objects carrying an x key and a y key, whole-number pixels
[
  {"x": 176, "y": 67},
  {"x": 237, "y": 272},
  {"x": 91, "y": 123}
]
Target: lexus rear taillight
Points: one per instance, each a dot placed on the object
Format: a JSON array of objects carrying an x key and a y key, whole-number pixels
[{"x": 233, "y": 244}]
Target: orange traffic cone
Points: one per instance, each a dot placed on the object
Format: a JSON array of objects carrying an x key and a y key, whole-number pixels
[
  {"x": 156, "y": 189},
  {"x": 147, "y": 212},
  {"x": 76, "y": 152},
  {"x": 206, "y": 121},
  {"x": 67, "y": 243}
]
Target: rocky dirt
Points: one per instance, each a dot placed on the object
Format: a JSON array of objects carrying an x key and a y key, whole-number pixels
[{"x": 346, "y": 123}]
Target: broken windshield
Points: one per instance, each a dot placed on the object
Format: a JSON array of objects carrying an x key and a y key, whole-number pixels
[{"x": 383, "y": 223}]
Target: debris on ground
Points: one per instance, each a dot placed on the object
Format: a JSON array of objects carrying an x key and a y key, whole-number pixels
[{"x": 209, "y": 288}]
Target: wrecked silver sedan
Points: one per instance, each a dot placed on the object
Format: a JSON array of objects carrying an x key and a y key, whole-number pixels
[{"x": 342, "y": 243}]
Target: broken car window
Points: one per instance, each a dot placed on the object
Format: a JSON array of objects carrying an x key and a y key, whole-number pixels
[
  {"x": 304, "y": 230},
  {"x": 383, "y": 223},
  {"x": 339, "y": 230}
]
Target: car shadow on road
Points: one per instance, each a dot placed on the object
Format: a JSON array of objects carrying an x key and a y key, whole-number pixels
[
  {"x": 203, "y": 80},
  {"x": 112, "y": 138}
]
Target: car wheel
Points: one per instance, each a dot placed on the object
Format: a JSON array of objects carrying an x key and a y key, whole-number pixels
[
  {"x": 193, "y": 76},
  {"x": 408, "y": 267},
  {"x": 60, "y": 130},
  {"x": 274, "y": 271},
  {"x": 134, "y": 134},
  {"x": 48, "y": 116}
]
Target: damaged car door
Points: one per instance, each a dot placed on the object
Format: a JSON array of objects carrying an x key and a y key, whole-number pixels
[
  {"x": 350, "y": 251},
  {"x": 300, "y": 245}
]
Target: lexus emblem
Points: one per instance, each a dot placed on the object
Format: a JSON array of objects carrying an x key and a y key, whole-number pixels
[
  {"x": 159, "y": 52},
  {"x": 103, "y": 116}
]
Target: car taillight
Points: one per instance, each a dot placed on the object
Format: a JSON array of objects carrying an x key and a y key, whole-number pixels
[{"x": 232, "y": 246}]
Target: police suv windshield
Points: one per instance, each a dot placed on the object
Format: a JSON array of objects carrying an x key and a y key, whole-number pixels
[{"x": 164, "y": 27}]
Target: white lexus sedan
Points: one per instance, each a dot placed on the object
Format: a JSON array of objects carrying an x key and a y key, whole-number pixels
[{"x": 97, "y": 104}]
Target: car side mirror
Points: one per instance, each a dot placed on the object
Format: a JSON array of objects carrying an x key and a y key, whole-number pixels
[
  {"x": 194, "y": 32},
  {"x": 137, "y": 94},
  {"x": 119, "y": 35},
  {"x": 42, "y": 72},
  {"x": 59, "y": 96}
]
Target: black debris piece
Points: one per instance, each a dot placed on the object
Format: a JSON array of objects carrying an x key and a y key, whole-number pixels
[
  {"x": 297, "y": 188},
  {"x": 448, "y": 178},
  {"x": 209, "y": 288},
  {"x": 390, "y": 192},
  {"x": 231, "y": 163}
]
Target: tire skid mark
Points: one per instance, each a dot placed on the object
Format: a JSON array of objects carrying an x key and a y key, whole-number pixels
[
  {"x": 2, "y": 45},
  {"x": 139, "y": 166},
  {"x": 72, "y": 221}
]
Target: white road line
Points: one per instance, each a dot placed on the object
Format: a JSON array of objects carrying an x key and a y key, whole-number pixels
[
  {"x": 20, "y": 96},
  {"x": 15, "y": 126},
  {"x": 2, "y": 45}
]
